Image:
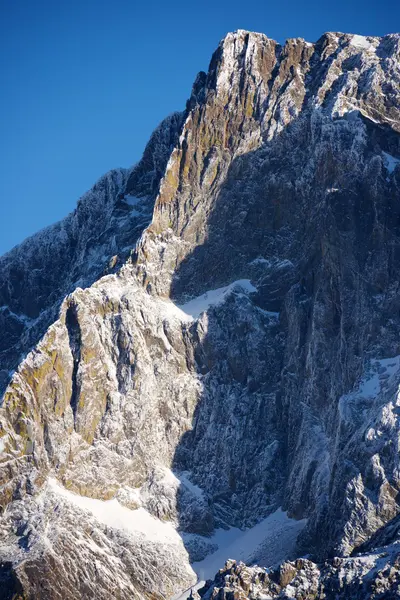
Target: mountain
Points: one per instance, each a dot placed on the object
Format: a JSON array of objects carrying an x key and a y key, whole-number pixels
[{"x": 202, "y": 362}]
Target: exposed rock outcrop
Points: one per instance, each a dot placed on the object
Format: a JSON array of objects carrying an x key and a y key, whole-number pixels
[
  {"x": 372, "y": 576},
  {"x": 281, "y": 389}
]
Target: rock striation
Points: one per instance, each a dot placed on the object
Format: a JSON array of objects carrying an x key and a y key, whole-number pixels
[{"x": 215, "y": 334}]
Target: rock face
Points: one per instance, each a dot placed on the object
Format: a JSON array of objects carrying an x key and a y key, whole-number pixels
[
  {"x": 141, "y": 409},
  {"x": 93, "y": 240},
  {"x": 372, "y": 576}
]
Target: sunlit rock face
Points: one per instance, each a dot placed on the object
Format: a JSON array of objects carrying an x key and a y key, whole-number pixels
[
  {"x": 95, "y": 239},
  {"x": 212, "y": 335}
]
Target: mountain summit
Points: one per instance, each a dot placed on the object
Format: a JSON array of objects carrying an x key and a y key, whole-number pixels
[{"x": 202, "y": 362}]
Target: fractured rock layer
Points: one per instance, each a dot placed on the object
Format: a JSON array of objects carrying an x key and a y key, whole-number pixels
[{"x": 283, "y": 171}]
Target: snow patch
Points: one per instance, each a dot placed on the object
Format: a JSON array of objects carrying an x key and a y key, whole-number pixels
[
  {"x": 377, "y": 378},
  {"x": 172, "y": 311},
  {"x": 132, "y": 200},
  {"x": 269, "y": 542},
  {"x": 275, "y": 263},
  {"x": 198, "y": 305},
  {"x": 390, "y": 162},
  {"x": 186, "y": 594},
  {"x": 382, "y": 371},
  {"x": 360, "y": 41},
  {"x": 176, "y": 480},
  {"x": 113, "y": 514}
]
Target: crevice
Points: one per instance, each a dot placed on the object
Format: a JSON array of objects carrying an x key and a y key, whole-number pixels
[{"x": 74, "y": 335}]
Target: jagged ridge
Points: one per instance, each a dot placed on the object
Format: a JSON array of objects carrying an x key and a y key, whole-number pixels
[{"x": 283, "y": 171}]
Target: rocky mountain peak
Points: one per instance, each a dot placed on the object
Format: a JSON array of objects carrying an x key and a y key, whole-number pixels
[
  {"x": 214, "y": 350},
  {"x": 255, "y": 95},
  {"x": 240, "y": 53}
]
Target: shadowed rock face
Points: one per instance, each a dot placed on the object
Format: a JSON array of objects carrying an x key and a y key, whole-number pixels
[{"x": 283, "y": 170}]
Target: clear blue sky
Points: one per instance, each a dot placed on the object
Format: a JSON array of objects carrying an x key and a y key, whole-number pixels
[{"x": 84, "y": 82}]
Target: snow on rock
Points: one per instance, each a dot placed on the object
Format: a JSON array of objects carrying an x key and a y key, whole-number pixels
[
  {"x": 96, "y": 238},
  {"x": 121, "y": 551},
  {"x": 132, "y": 200},
  {"x": 379, "y": 376},
  {"x": 360, "y": 41},
  {"x": 368, "y": 576},
  {"x": 390, "y": 162},
  {"x": 113, "y": 514},
  {"x": 126, "y": 386},
  {"x": 274, "y": 263},
  {"x": 172, "y": 311},
  {"x": 194, "y": 489},
  {"x": 202, "y": 303},
  {"x": 267, "y": 543},
  {"x": 177, "y": 480}
]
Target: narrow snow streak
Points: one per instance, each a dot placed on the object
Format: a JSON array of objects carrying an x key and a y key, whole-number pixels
[{"x": 196, "y": 491}]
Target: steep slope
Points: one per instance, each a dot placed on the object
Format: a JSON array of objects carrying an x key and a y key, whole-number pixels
[
  {"x": 311, "y": 215},
  {"x": 93, "y": 240},
  {"x": 283, "y": 176}
]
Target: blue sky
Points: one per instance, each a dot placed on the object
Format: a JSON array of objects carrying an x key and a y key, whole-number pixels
[{"x": 84, "y": 82}]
